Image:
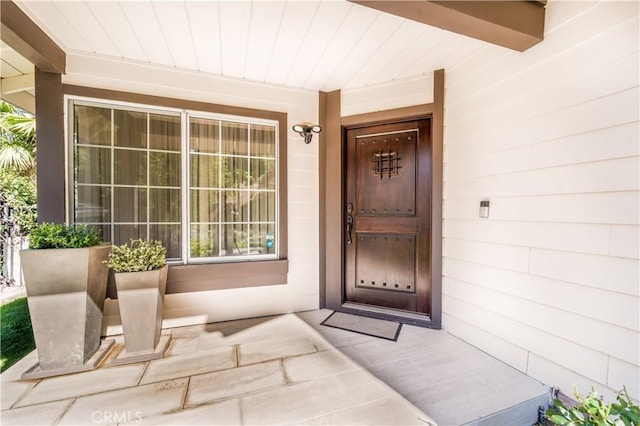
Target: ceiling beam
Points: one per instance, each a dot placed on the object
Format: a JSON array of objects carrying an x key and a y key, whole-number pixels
[
  {"x": 515, "y": 24},
  {"x": 22, "y": 34},
  {"x": 18, "y": 83},
  {"x": 23, "y": 100}
]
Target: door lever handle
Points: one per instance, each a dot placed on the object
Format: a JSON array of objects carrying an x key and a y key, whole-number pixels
[{"x": 349, "y": 227}]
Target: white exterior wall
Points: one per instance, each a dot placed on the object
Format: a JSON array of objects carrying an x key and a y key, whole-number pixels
[
  {"x": 396, "y": 94},
  {"x": 549, "y": 283},
  {"x": 302, "y": 290}
]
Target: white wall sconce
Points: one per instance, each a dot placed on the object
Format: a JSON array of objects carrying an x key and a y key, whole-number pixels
[{"x": 306, "y": 130}]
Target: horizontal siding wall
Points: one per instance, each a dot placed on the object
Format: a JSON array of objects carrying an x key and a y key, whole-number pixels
[
  {"x": 550, "y": 282},
  {"x": 302, "y": 290}
]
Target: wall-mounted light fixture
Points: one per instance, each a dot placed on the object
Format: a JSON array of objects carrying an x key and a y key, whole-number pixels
[
  {"x": 306, "y": 130},
  {"x": 484, "y": 209}
]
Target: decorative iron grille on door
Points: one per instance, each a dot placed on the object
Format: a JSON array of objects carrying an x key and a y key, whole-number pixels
[{"x": 386, "y": 164}]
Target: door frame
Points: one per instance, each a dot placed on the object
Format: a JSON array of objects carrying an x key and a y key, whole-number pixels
[{"x": 332, "y": 174}]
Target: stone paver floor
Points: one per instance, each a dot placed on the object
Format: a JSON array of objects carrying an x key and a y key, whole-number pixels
[
  {"x": 276, "y": 370},
  {"x": 445, "y": 377}
]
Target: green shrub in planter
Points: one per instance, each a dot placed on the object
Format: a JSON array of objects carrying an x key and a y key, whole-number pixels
[
  {"x": 139, "y": 255},
  {"x": 592, "y": 410},
  {"x": 53, "y": 235},
  {"x": 66, "y": 284},
  {"x": 141, "y": 280}
]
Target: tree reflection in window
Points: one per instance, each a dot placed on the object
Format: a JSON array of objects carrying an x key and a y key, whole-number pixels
[
  {"x": 233, "y": 188},
  {"x": 127, "y": 175},
  {"x": 128, "y": 168}
]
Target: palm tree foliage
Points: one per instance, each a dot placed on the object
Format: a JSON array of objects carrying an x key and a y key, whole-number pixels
[
  {"x": 17, "y": 171},
  {"x": 17, "y": 140}
]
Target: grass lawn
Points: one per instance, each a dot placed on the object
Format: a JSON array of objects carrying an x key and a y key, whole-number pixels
[{"x": 16, "y": 336}]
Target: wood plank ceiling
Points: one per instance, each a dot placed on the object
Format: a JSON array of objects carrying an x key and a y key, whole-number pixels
[
  {"x": 317, "y": 45},
  {"x": 18, "y": 82}
]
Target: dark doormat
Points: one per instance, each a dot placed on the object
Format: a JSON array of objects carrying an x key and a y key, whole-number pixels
[{"x": 384, "y": 329}]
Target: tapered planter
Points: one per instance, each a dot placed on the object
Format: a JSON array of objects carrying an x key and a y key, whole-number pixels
[
  {"x": 141, "y": 301},
  {"x": 66, "y": 289}
]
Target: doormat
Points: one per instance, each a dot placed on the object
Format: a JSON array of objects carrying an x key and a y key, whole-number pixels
[{"x": 384, "y": 329}]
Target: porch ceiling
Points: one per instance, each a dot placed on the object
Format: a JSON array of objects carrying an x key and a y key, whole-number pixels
[
  {"x": 17, "y": 84},
  {"x": 319, "y": 45}
]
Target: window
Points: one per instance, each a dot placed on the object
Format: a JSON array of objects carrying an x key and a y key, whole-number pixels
[
  {"x": 232, "y": 188},
  {"x": 203, "y": 184}
]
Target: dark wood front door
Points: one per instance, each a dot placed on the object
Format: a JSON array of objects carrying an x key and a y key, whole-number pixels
[{"x": 387, "y": 216}]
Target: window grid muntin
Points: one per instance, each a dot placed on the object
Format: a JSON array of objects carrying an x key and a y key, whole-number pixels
[
  {"x": 185, "y": 170},
  {"x": 145, "y": 223},
  {"x": 220, "y": 188}
]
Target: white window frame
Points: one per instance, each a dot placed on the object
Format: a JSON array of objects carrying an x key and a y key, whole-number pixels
[
  {"x": 185, "y": 114},
  {"x": 243, "y": 120}
]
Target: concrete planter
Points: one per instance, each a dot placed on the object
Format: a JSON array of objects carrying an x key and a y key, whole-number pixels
[
  {"x": 141, "y": 302},
  {"x": 66, "y": 289}
]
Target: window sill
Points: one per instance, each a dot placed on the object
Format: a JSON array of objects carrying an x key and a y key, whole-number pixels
[{"x": 212, "y": 276}]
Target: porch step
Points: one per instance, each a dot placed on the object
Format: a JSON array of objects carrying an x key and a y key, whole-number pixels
[
  {"x": 523, "y": 414},
  {"x": 447, "y": 378}
]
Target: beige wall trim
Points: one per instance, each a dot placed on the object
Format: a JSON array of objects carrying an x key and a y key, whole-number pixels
[
  {"x": 515, "y": 24},
  {"x": 25, "y": 37}
]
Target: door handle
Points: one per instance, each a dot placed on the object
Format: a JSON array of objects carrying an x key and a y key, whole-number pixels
[{"x": 349, "y": 222}]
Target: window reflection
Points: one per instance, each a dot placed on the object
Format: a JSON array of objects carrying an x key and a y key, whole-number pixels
[
  {"x": 128, "y": 181},
  {"x": 128, "y": 175},
  {"x": 233, "y": 190}
]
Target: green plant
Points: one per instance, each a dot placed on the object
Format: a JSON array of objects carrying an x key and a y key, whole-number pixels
[
  {"x": 17, "y": 139},
  {"x": 16, "y": 335},
  {"x": 139, "y": 255},
  {"x": 201, "y": 247},
  {"x": 18, "y": 192},
  {"x": 53, "y": 235},
  {"x": 592, "y": 410},
  {"x": 626, "y": 409}
]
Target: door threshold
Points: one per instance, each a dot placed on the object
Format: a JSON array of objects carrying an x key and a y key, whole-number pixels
[{"x": 411, "y": 318}]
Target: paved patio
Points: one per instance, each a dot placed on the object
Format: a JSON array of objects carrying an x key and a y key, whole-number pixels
[
  {"x": 452, "y": 381},
  {"x": 283, "y": 370}
]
